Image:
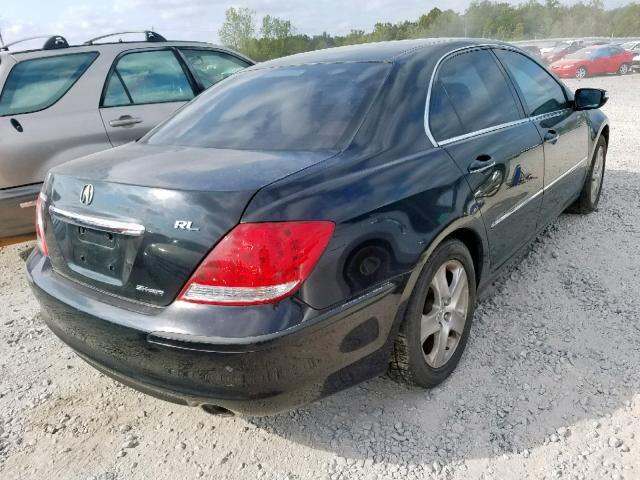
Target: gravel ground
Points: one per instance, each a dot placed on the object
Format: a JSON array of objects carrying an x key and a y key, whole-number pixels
[{"x": 548, "y": 386}]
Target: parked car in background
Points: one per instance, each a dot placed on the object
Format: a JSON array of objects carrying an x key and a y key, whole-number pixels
[
  {"x": 633, "y": 46},
  {"x": 533, "y": 50},
  {"x": 635, "y": 63},
  {"x": 594, "y": 61},
  {"x": 283, "y": 237},
  {"x": 61, "y": 102},
  {"x": 560, "y": 50}
]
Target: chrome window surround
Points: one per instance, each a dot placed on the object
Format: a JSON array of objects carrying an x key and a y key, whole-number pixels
[
  {"x": 537, "y": 194},
  {"x": 103, "y": 224},
  {"x": 484, "y": 130}
]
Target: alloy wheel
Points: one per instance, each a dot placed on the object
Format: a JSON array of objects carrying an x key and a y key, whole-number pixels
[
  {"x": 445, "y": 313},
  {"x": 596, "y": 174},
  {"x": 624, "y": 68},
  {"x": 581, "y": 72}
]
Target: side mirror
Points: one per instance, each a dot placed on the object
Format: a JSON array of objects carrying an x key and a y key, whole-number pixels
[{"x": 589, "y": 98}]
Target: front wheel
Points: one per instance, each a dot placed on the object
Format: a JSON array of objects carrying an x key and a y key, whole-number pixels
[
  {"x": 624, "y": 69},
  {"x": 581, "y": 72},
  {"x": 590, "y": 195},
  {"x": 438, "y": 318}
]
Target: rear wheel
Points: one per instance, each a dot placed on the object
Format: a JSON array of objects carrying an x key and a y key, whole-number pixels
[
  {"x": 438, "y": 318},
  {"x": 590, "y": 194},
  {"x": 581, "y": 72},
  {"x": 624, "y": 69}
]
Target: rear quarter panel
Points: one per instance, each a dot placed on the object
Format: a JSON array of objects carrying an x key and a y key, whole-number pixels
[{"x": 390, "y": 194}]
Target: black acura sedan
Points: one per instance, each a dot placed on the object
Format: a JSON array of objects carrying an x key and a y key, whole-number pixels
[{"x": 308, "y": 222}]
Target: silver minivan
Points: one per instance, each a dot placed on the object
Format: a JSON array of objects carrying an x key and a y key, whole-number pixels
[{"x": 61, "y": 102}]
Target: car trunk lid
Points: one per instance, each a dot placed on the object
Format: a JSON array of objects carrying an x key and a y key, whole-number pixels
[{"x": 136, "y": 221}]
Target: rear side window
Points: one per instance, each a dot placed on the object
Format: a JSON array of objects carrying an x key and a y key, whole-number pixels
[
  {"x": 147, "y": 77},
  {"x": 541, "y": 93},
  {"x": 478, "y": 94},
  {"x": 443, "y": 119},
  {"x": 306, "y": 107},
  {"x": 211, "y": 66},
  {"x": 36, "y": 84}
]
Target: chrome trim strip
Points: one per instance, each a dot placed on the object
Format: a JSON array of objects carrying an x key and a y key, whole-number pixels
[
  {"x": 516, "y": 208},
  {"x": 483, "y": 131},
  {"x": 32, "y": 203},
  {"x": 542, "y": 190},
  {"x": 576, "y": 166},
  {"x": 106, "y": 225},
  {"x": 545, "y": 116}
]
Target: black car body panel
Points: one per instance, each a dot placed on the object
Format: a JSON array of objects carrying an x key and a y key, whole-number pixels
[{"x": 394, "y": 193}]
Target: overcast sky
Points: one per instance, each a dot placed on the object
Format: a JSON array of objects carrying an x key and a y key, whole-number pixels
[{"x": 201, "y": 19}]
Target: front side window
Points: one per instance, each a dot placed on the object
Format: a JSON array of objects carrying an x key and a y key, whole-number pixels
[
  {"x": 477, "y": 92},
  {"x": 210, "y": 66},
  {"x": 305, "y": 107},
  {"x": 540, "y": 92},
  {"x": 147, "y": 77},
  {"x": 36, "y": 84}
]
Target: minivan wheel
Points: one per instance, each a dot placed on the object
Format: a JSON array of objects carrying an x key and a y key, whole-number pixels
[
  {"x": 624, "y": 69},
  {"x": 590, "y": 195},
  {"x": 581, "y": 72},
  {"x": 438, "y": 318}
]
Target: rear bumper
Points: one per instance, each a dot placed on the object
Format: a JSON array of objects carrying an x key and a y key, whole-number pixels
[
  {"x": 17, "y": 210},
  {"x": 257, "y": 376}
]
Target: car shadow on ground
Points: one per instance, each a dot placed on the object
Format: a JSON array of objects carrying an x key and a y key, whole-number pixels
[{"x": 550, "y": 348}]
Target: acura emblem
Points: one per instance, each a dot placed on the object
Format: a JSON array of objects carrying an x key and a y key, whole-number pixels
[{"x": 86, "y": 196}]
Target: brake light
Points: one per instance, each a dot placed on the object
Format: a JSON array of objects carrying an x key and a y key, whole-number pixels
[
  {"x": 41, "y": 242},
  {"x": 258, "y": 263}
]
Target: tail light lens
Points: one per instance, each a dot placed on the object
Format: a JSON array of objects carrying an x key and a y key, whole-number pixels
[
  {"x": 41, "y": 242},
  {"x": 258, "y": 263}
]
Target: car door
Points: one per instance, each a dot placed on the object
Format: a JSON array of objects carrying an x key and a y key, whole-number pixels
[
  {"x": 475, "y": 116},
  {"x": 564, "y": 131},
  {"x": 601, "y": 61},
  {"x": 142, "y": 89},
  {"x": 47, "y": 115},
  {"x": 209, "y": 66}
]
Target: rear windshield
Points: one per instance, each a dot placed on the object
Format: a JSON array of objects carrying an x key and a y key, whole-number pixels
[{"x": 306, "y": 107}]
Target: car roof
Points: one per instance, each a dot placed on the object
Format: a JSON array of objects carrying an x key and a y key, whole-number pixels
[
  {"x": 107, "y": 47},
  {"x": 392, "y": 51}
]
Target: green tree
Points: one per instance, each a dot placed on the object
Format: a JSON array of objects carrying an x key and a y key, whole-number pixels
[{"x": 238, "y": 28}]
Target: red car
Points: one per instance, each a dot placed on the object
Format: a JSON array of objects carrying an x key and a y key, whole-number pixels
[{"x": 594, "y": 61}]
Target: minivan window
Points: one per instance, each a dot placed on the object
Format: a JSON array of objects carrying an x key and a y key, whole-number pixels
[
  {"x": 141, "y": 78},
  {"x": 211, "y": 66},
  {"x": 478, "y": 91},
  {"x": 542, "y": 94},
  {"x": 36, "y": 84},
  {"x": 305, "y": 107}
]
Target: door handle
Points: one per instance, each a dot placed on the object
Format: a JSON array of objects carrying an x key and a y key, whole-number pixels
[
  {"x": 551, "y": 137},
  {"x": 481, "y": 164},
  {"x": 125, "y": 121}
]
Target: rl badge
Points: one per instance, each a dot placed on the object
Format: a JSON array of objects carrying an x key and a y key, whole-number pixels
[{"x": 185, "y": 225}]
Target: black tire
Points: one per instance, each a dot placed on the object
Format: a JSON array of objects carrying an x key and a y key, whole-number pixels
[
  {"x": 408, "y": 362},
  {"x": 587, "y": 202}
]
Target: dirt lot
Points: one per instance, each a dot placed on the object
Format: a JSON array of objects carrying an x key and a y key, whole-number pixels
[{"x": 548, "y": 386}]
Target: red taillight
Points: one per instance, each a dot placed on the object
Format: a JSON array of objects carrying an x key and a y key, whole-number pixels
[
  {"x": 258, "y": 263},
  {"x": 41, "y": 242}
]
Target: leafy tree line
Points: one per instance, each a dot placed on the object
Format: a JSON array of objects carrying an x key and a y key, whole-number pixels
[{"x": 274, "y": 37}]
